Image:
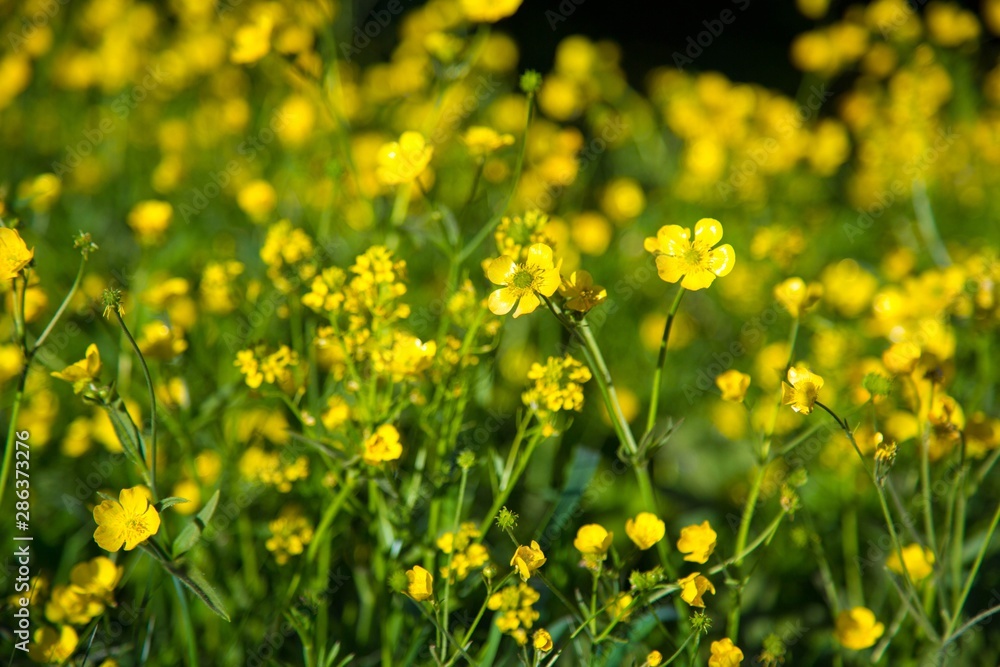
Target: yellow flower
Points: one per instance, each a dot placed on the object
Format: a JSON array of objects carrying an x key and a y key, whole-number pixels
[
  {"x": 291, "y": 532},
  {"x": 257, "y": 199},
  {"x": 654, "y": 659},
  {"x": 621, "y": 606},
  {"x": 901, "y": 358},
  {"x": 593, "y": 540},
  {"x": 696, "y": 261},
  {"x": 795, "y": 296},
  {"x": 542, "y": 640},
  {"x": 857, "y": 628},
  {"x": 581, "y": 293},
  {"x": 528, "y": 559},
  {"x": 383, "y": 445},
  {"x": 97, "y": 577},
  {"x": 801, "y": 390},
  {"x": 919, "y": 562},
  {"x": 404, "y": 160},
  {"x": 252, "y": 41},
  {"x": 484, "y": 140},
  {"x": 14, "y": 254},
  {"x": 558, "y": 385},
  {"x": 127, "y": 521},
  {"x": 53, "y": 645},
  {"x": 725, "y": 654},
  {"x": 733, "y": 385},
  {"x": 84, "y": 371},
  {"x": 521, "y": 282},
  {"x": 160, "y": 341},
  {"x": 645, "y": 530},
  {"x": 489, "y": 11},
  {"x": 420, "y": 583},
  {"x": 693, "y": 587},
  {"x": 189, "y": 490},
  {"x": 149, "y": 220},
  {"x": 698, "y": 542}
]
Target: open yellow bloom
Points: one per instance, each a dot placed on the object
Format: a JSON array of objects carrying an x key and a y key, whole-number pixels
[
  {"x": 693, "y": 587},
  {"x": 383, "y": 445},
  {"x": 150, "y": 219},
  {"x": 645, "y": 530},
  {"x": 593, "y": 540},
  {"x": 528, "y": 559},
  {"x": 404, "y": 160},
  {"x": 82, "y": 372},
  {"x": 733, "y": 385},
  {"x": 420, "y": 583},
  {"x": 919, "y": 562},
  {"x": 14, "y": 253},
  {"x": 489, "y": 11},
  {"x": 542, "y": 640},
  {"x": 802, "y": 390},
  {"x": 697, "y": 262},
  {"x": 252, "y": 41},
  {"x": 725, "y": 654},
  {"x": 795, "y": 296},
  {"x": 522, "y": 282},
  {"x": 53, "y": 645},
  {"x": 698, "y": 542},
  {"x": 127, "y": 521},
  {"x": 581, "y": 293},
  {"x": 858, "y": 629}
]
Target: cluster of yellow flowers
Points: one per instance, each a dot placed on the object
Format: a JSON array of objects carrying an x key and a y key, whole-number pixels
[
  {"x": 290, "y": 534},
  {"x": 466, "y": 553},
  {"x": 557, "y": 385}
]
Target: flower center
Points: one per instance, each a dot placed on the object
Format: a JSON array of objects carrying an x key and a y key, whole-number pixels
[
  {"x": 523, "y": 279},
  {"x": 694, "y": 255}
]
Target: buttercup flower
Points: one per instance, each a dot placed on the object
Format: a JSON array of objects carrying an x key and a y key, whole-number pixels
[
  {"x": 593, "y": 540},
  {"x": 127, "y": 521},
  {"x": 645, "y": 530},
  {"x": 698, "y": 542},
  {"x": 404, "y": 160},
  {"x": 14, "y": 253},
  {"x": 542, "y": 640},
  {"x": 83, "y": 372},
  {"x": 693, "y": 587},
  {"x": 733, "y": 385},
  {"x": 725, "y": 654},
  {"x": 522, "y": 282},
  {"x": 383, "y": 445},
  {"x": 919, "y": 562},
  {"x": 697, "y": 262},
  {"x": 857, "y": 628},
  {"x": 420, "y": 583},
  {"x": 795, "y": 296},
  {"x": 484, "y": 140},
  {"x": 150, "y": 219},
  {"x": 489, "y": 11},
  {"x": 581, "y": 293},
  {"x": 654, "y": 659},
  {"x": 53, "y": 645},
  {"x": 802, "y": 389},
  {"x": 901, "y": 358},
  {"x": 528, "y": 559}
]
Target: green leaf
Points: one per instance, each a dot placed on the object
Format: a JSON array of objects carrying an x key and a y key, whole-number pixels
[
  {"x": 188, "y": 537},
  {"x": 128, "y": 433},
  {"x": 195, "y": 580},
  {"x": 170, "y": 502},
  {"x": 205, "y": 515}
]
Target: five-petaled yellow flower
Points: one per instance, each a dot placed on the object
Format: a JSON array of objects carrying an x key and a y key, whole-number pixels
[
  {"x": 919, "y": 562},
  {"x": 645, "y": 530},
  {"x": 522, "y": 282},
  {"x": 693, "y": 587},
  {"x": 593, "y": 540},
  {"x": 528, "y": 559},
  {"x": 802, "y": 389},
  {"x": 733, "y": 385},
  {"x": 82, "y": 372},
  {"x": 725, "y": 654},
  {"x": 128, "y": 521},
  {"x": 858, "y": 629},
  {"x": 404, "y": 160},
  {"x": 696, "y": 261},
  {"x": 420, "y": 583},
  {"x": 382, "y": 445},
  {"x": 14, "y": 253},
  {"x": 698, "y": 542},
  {"x": 581, "y": 293}
]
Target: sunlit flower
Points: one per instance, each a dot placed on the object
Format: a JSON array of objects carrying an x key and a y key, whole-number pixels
[
  {"x": 482, "y": 141},
  {"x": 52, "y": 645},
  {"x": 150, "y": 219},
  {"x": 522, "y": 283},
  {"x": 645, "y": 530},
  {"x": 527, "y": 559},
  {"x": 290, "y": 533},
  {"x": 654, "y": 659},
  {"x": 733, "y": 385},
  {"x": 901, "y": 358},
  {"x": 83, "y": 372},
  {"x": 383, "y": 445},
  {"x": 858, "y": 629},
  {"x": 697, "y": 541},
  {"x": 542, "y": 640},
  {"x": 725, "y": 654},
  {"x": 420, "y": 583},
  {"x": 404, "y": 160},
  {"x": 128, "y": 521},
  {"x": 581, "y": 293},
  {"x": 919, "y": 562},
  {"x": 795, "y": 296},
  {"x": 592, "y": 540},
  {"x": 14, "y": 253},
  {"x": 802, "y": 389},
  {"x": 697, "y": 262},
  {"x": 489, "y": 11},
  {"x": 693, "y": 587}
]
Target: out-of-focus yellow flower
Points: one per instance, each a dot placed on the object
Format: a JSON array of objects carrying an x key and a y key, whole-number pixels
[
  {"x": 802, "y": 390},
  {"x": 812, "y": 9},
  {"x": 697, "y": 541},
  {"x": 83, "y": 372},
  {"x": 150, "y": 219},
  {"x": 527, "y": 559},
  {"x": 654, "y": 659},
  {"x": 593, "y": 540},
  {"x": 623, "y": 200},
  {"x": 620, "y": 607},
  {"x": 581, "y": 293},
  {"x": 41, "y": 192},
  {"x": 724, "y": 654},
  {"x": 383, "y": 445},
  {"x": 645, "y": 530},
  {"x": 257, "y": 199},
  {"x": 190, "y": 491},
  {"x": 950, "y": 25},
  {"x": 697, "y": 262},
  {"x": 291, "y": 532},
  {"x": 591, "y": 232},
  {"x": 404, "y": 160},
  {"x": 693, "y": 587},
  {"x": 901, "y": 358},
  {"x": 542, "y": 640},
  {"x": 847, "y": 287},
  {"x": 298, "y": 119},
  {"x": 733, "y": 385},
  {"x": 857, "y": 628},
  {"x": 795, "y": 296},
  {"x": 521, "y": 283},
  {"x": 919, "y": 562},
  {"x": 252, "y": 41},
  {"x": 15, "y": 75},
  {"x": 159, "y": 341},
  {"x": 489, "y": 11},
  {"x": 482, "y": 141},
  {"x": 128, "y": 521},
  {"x": 420, "y": 583},
  {"x": 560, "y": 98},
  {"x": 14, "y": 254},
  {"x": 558, "y": 385},
  {"x": 52, "y": 645}
]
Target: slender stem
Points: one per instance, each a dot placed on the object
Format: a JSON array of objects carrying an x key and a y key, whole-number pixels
[
  {"x": 748, "y": 509},
  {"x": 451, "y": 557},
  {"x": 152, "y": 402},
  {"x": 188, "y": 627},
  {"x": 972, "y": 622},
  {"x": 604, "y": 379},
  {"x": 8, "y": 453},
  {"x": 62, "y": 308},
  {"x": 680, "y": 649},
  {"x": 654, "y": 400},
  {"x": 973, "y": 572}
]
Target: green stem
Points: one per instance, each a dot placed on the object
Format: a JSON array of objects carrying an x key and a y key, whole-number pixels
[
  {"x": 680, "y": 649},
  {"x": 152, "y": 402},
  {"x": 654, "y": 400},
  {"x": 8, "y": 454},
  {"x": 973, "y": 572},
  {"x": 447, "y": 580},
  {"x": 62, "y": 308},
  {"x": 188, "y": 627}
]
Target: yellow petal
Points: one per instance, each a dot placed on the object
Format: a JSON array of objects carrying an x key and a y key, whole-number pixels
[
  {"x": 501, "y": 301},
  {"x": 133, "y": 501},
  {"x": 708, "y": 231},
  {"x": 109, "y": 538},
  {"x": 697, "y": 280},
  {"x": 722, "y": 260},
  {"x": 527, "y": 305},
  {"x": 673, "y": 240},
  {"x": 549, "y": 283},
  {"x": 540, "y": 255},
  {"x": 500, "y": 270},
  {"x": 669, "y": 268}
]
